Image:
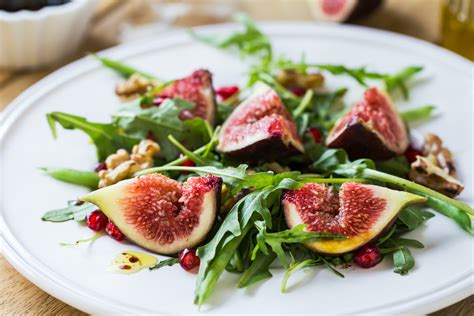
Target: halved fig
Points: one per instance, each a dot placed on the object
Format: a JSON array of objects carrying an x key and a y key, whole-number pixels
[
  {"x": 159, "y": 213},
  {"x": 196, "y": 88},
  {"x": 372, "y": 129},
  {"x": 342, "y": 10},
  {"x": 359, "y": 211},
  {"x": 260, "y": 128}
]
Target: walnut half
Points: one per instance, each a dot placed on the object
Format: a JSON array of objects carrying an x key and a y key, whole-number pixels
[
  {"x": 425, "y": 172},
  {"x": 294, "y": 78},
  {"x": 122, "y": 165},
  {"x": 435, "y": 169},
  {"x": 133, "y": 87}
]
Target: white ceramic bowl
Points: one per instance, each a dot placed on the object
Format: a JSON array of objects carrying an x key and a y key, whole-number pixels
[{"x": 31, "y": 39}]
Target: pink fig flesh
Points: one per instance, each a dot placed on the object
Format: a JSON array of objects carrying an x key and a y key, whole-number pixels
[
  {"x": 372, "y": 129},
  {"x": 260, "y": 129},
  {"x": 196, "y": 88},
  {"x": 358, "y": 211},
  {"x": 159, "y": 213}
]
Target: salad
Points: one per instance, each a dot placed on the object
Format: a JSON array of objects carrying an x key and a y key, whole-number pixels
[{"x": 278, "y": 172}]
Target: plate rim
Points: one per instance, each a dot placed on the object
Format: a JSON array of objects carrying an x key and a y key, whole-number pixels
[{"x": 53, "y": 284}]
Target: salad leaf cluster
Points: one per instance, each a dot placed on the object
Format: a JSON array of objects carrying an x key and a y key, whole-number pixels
[{"x": 253, "y": 235}]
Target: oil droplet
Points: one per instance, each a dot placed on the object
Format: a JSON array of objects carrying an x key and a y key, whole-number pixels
[
  {"x": 132, "y": 261},
  {"x": 125, "y": 267}
]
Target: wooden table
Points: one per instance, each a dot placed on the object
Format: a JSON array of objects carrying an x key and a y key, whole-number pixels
[{"x": 419, "y": 18}]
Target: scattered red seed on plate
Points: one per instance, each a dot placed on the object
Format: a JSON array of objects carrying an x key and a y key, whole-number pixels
[
  {"x": 188, "y": 259},
  {"x": 368, "y": 256}
]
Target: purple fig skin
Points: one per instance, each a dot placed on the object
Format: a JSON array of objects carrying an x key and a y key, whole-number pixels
[
  {"x": 268, "y": 149},
  {"x": 360, "y": 142},
  {"x": 362, "y": 9},
  {"x": 218, "y": 191}
]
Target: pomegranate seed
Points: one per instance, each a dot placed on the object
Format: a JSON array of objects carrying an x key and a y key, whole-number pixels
[
  {"x": 188, "y": 259},
  {"x": 368, "y": 256},
  {"x": 114, "y": 232},
  {"x": 96, "y": 220},
  {"x": 298, "y": 91},
  {"x": 315, "y": 134},
  {"x": 188, "y": 163},
  {"x": 101, "y": 166},
  {"x": 226, "y": 92},
  {"x": 160, "y": 99},
  {"x": 150, "y": 136},
  {"x": 411, "y": 154}
]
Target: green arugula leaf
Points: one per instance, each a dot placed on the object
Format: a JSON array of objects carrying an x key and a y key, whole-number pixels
[
  {"x": 121, "y": 68},
  {"x": 162, "y": 121},
  {"x": 230, "y": 175},
  {"x": 327, "y": 109},
  {"x": 324, "y": 160},
  {"x": 90, "y": 240},
  {"x": 297, "y": 234},
  {"x": 398, "y": 80},
  {"x": 412, "y": 217},
  {"x": 89, "y": 179},
  {"x": 258, "y": 270},
  {"x": 403, "y": 261},
  {"x": 386, "y": 236},
  {"x": 108, "y": 138},
  {"x": 394, "y": 244},
  {"x": 290, "y": 100},
  {"x": 74, "y": 211},
  {"x": 422, "y": 113},
  {"x": 332, "y": 268},
  {"x": 223, "y": 112},
  {"x": 409, "y": 243},
  {"x": 249, "y": 42},
  {"x": 359, "y": 74},
  {"x": 397, "y": 166},
  {"x": 295, "y": 266},
  {"x": 164, "y": 263},
  {"x": 305, "y": 102},
  {"x": 235, "y": 264},
  {"x": 216, "y": 254},
  {"x": 196, "y": 158}
]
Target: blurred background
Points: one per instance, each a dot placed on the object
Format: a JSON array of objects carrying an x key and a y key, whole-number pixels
[
  {"x": 30, "y": 50},
  {"x": 39, "y": 36}
]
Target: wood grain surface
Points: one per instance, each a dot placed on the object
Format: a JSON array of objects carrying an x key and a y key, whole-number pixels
[{"x": 419, "y": 18}]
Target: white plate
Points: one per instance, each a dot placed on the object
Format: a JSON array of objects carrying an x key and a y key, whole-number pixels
[{"x": 78, "y": 276}]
